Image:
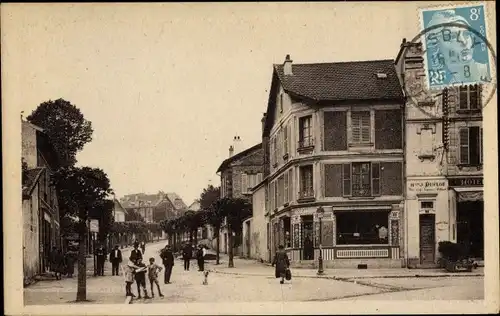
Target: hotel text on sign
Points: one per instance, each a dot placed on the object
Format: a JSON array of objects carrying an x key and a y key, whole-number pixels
[{"x": 466, "y": 182}]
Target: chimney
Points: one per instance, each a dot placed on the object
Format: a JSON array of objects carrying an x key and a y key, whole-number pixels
[
  {"x": 231, "y": 151},
  {"x": 287, "y": 66},
  {"x": 236, "y": 144},
  {"x": 263, "y": 121}
]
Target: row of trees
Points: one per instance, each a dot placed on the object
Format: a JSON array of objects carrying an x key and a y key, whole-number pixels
[
  {"x": 214, "y": 211},
  {"x": 83, "y": 192}
]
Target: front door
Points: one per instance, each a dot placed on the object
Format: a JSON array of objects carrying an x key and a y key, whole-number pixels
[
  {"x": 427, "y": 239},
  {"x": 307, "y": 238}
]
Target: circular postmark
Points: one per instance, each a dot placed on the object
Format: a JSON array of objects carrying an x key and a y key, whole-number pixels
[{"x": 440, "y": 59}]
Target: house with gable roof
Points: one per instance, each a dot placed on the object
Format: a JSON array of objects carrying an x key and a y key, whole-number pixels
[
  {"x": 333, "y": 146},
  {"x": 41, "y": 225}
]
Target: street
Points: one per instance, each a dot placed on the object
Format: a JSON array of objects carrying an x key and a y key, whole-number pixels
[{"x": 225, "y": 284}]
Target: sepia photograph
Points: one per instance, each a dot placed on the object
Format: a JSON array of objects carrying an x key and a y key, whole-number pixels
[{"x": 250, "y": 158}]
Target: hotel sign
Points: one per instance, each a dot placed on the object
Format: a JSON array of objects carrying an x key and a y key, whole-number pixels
[
  {"x": 466, "y": 182},
  {"x": 427, "y": 186}
]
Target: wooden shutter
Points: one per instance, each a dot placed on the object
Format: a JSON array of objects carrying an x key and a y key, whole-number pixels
[
  {"x": 463, "y": 98},
  {"x": 346, "y": 179},
  {"x": 289, "y": 139},
  {"x": 365, "y": 127},
  {"x": 474, "y": 144},
  {"x": 375, "y": 178},
  {"x": 291, "y": 181},
  {"x": 285, "y": 189},
  {"x": 361, "y": 130},
  {"x": 335, "y": 130},
  {"x": 481, "y": 145},
  {"x": 285, "y": 140},
  {"x": 464, "y": 145},
  {"x": 332, "y": 175}
]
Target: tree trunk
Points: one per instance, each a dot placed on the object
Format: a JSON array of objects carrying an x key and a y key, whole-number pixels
[
  {"x": 217, "y": 247},
  {"x": 81, "y": 294},
  {"x": 230, "y": 247}
]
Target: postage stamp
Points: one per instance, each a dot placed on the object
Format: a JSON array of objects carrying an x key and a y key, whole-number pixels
[{"x": 454, "y": 53}]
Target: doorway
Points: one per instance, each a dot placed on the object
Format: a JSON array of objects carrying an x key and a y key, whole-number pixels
[
  {"x": 470, "y": 227},
  {"x": 307, "y": 230},
  {"x": 427, "y": 239},
  {"x": 248, "y": 239}
]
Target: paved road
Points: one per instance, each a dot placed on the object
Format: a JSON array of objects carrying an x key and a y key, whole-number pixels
[{"x": 187, "y": 287}]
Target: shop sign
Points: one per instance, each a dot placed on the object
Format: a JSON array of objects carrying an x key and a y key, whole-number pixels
[
  {"x": 466, "y": 182},
  {"x": 94, "y": 225},
  {"x": 427, "y": 186}
]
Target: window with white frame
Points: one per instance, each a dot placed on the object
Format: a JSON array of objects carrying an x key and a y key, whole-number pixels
[
  {"x": 469, "y": 97},
  {"x": 360, "y": 127},
  {"x": 306, "y": 181},
  {"x": 471, "y": 145},
  {"x": 305, "y": 131}
]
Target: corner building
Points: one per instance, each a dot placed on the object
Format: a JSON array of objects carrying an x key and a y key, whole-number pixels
[{"x": 333, "y": 138}]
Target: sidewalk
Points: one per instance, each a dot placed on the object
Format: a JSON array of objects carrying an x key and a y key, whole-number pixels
[{"x": 254, "y": 268}]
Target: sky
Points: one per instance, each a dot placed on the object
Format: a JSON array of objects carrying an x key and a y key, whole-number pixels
[{"x": 168, "y": 86}]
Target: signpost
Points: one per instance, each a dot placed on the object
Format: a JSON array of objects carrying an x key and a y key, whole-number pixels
[{"x": 94, "y": 229}]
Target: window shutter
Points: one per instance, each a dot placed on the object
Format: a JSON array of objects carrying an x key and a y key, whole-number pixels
[
  {"x": 346, "y": 179},
  {"x": 479, "y": 96},
  {"x": 285, "y": 140},
  {"x": 290, "y": 185},
  {"x": 473, "y": 97},
  {"x": 286, "y": 188},
  {"x": 463, "y": 98},
  {"x": 289, "y": 139},
  {"x": 481, "y": 145},
  {"x": 464, "y": 145},
  {"x": 375, "y": 178},
  {"x": 365, "y": 127},
  {"x": 474, "y": 144},
  {"x": 355, "y": 127}
]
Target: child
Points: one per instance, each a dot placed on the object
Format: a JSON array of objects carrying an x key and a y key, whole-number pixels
[
  {"x": 140, "y": 278},
  {"x": 129, "y": 278},
  {"x": 153, "y": 270}
]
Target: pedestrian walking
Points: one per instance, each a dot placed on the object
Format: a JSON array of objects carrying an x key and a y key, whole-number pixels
[
  {"x": 115, "y": 257},
  {"x": 135, "y": 253},
  {"x": 282, "y": 263},
  {"x": 59, "y": 267},
  {"x": 140, "y": 278},
  {"x": 128, "y": 273},
  {"x": 200, "y": 256},
  {"x": 153, "y": 270},
  {"x": 100, "y": 254},
  {"x": 143, "y": 247},
  {"x": 187, "y": 254},
  {"x": 70, "y": 263},
  {"x": 167, "y": 257}
]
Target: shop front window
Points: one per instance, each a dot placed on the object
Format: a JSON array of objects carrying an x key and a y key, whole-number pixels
[
  {"x": 362, "y": 227},
  {"x": 288, "y": 234}
]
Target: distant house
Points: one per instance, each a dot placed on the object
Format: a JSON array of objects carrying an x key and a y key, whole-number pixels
[
  {"x": 239, "y": 174},
  {"x": 41, "y": 226},
  {"x": 119, "y": 211},
  {"x": 155, "y": 207}
]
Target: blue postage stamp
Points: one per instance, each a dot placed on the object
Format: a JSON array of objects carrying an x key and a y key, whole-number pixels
[{"x": 455, "y": 54}]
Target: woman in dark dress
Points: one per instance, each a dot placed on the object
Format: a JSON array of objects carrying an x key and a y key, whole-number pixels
[
  {"x": 70, "y": 263},
  {"x": 281, "y": 264}
]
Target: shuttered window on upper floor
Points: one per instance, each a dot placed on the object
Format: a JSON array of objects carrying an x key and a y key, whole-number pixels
[{"x": 360, "y": 127}]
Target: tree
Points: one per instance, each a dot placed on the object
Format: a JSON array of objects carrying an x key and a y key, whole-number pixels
[
  {"x": 216, "y": 215},
  {"x": 236, "y": 210},
  {"x": 65, "y": 126},
  {"x": 207, "y": 201},
  {"x": 81, "y": 191}
]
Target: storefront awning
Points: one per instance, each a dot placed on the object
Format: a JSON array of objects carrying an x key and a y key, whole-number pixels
[{"x": 469, "y": 194}]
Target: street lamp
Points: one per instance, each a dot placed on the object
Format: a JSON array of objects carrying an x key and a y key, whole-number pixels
[{"x": 320, "y": 212}]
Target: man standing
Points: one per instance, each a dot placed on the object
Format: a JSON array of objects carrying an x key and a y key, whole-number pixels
[
  {"x": 101, "y": 257},
  {"x": 115, "y": 257},
  {"x": 135, "y": 253},
  {"x": 200, "y": 256},
  {"x": 167, "y": 257},
  {"x": 187, "y": 253}
]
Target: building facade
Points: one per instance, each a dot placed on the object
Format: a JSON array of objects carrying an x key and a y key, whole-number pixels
[
  {"x": 334, "y": 163},
  {"x": 41, "y": 225},
  {"x": 118, "y": 211},
  {"x": 239, "y": 174},
  {"x": 444, "y": 191}
]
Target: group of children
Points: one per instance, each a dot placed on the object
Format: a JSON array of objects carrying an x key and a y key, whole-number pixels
[{"x": 137, "y": 270}]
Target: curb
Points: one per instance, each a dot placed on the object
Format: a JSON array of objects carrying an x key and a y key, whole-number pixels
[{"x": 364, "y": 277}]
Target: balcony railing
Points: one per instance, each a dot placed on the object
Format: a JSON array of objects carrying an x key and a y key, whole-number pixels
[
  {"x": 305, "y": 145},
  {"x": 306, "y": 195}
]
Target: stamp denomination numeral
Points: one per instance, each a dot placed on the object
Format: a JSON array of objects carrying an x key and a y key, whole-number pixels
[
  {"x": 466, "y": 71},
  {"x": 474, "y": 14},
  {"x": 437, "y": 76}
]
